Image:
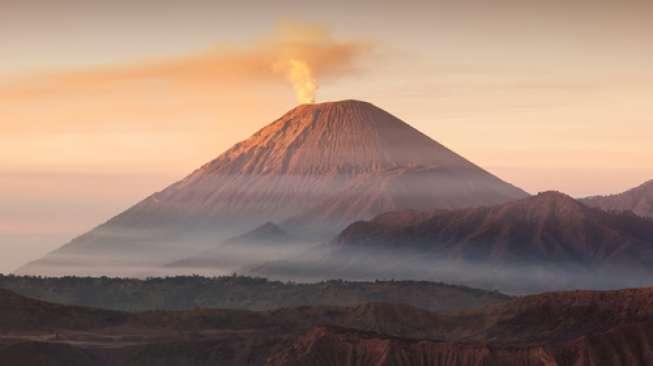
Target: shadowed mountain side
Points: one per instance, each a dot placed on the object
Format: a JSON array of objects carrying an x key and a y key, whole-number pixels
[
  {"x": 638, "y": 200},
  {"x": 307, "y": 170},
  {"x": 549, "y": 227},
  {"x": 564, "y": 328},
  {"x": 545, "y": 242}
]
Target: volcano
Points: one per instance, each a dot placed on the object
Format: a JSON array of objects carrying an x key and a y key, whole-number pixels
[{"x": 312, "y": 172}]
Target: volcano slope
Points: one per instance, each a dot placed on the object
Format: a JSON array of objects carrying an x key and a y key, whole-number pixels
[
  {"x": 639, "y": 200},
  {"x": 313, "y": 171},
  {"x": 566, "y": 328},
  {"x": 545, "y": 242}
]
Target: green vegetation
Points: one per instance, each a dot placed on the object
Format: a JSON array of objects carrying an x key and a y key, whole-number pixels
[{"x": 240, "y": 292}]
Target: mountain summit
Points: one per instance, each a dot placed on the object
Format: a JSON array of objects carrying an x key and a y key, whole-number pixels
[
  {"x": 348, "y": 138},
  {"x": 313, "y": 171}
]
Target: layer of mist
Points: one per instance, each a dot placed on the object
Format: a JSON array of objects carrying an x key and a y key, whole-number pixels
[{"x": 390, "y": 264}]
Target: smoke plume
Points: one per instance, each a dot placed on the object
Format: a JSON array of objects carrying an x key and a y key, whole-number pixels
[
  {"x": 306, "y": 53},
  {"x": 302, "y": 79},
  {"x": 297, "y": 53}
]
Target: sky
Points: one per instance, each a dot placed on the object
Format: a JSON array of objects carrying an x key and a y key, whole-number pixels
[{"x": 105, "y": 102}]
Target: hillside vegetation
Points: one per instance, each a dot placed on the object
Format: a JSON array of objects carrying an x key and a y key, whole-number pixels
[{"x": 239, "y": 292}]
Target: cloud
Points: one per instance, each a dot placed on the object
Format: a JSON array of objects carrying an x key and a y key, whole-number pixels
[{"x": 300, "y": 54}]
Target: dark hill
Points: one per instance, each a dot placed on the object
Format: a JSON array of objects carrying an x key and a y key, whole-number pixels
[
  {"x": 549, "y": 227},
  {"x": 237, "y": 292}
]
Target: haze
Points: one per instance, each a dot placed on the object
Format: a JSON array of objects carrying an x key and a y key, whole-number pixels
[{"x": 546, "y": 95}]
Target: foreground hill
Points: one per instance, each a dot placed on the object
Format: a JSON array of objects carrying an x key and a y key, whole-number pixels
[
  {"x": 548, "y": 241},
  {"x": 314, "y": 170},
  {"x": 638, "y": 200},
  {"x": 566, "y": 328},
  {"x": 21, "y": 313},
  {"x": 234, "y": 292},
  {"x": 325, "y": 346}
]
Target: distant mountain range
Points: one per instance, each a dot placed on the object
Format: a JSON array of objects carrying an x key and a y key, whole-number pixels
[
  {"x": 549, "y": 227},
  {"x": 548, "y": 241},
  {"x": 313, "y": 171}
]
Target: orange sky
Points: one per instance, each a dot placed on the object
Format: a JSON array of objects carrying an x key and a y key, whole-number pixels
[{"x": 102, "y": 103}]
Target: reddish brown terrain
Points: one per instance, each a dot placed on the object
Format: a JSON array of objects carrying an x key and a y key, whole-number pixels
[
  {"x": 638, "y": 200},
  {"x": 313, "y": 171},
  {"x": 567, "y": 328},
  {"x": 323, "y": 346}
]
